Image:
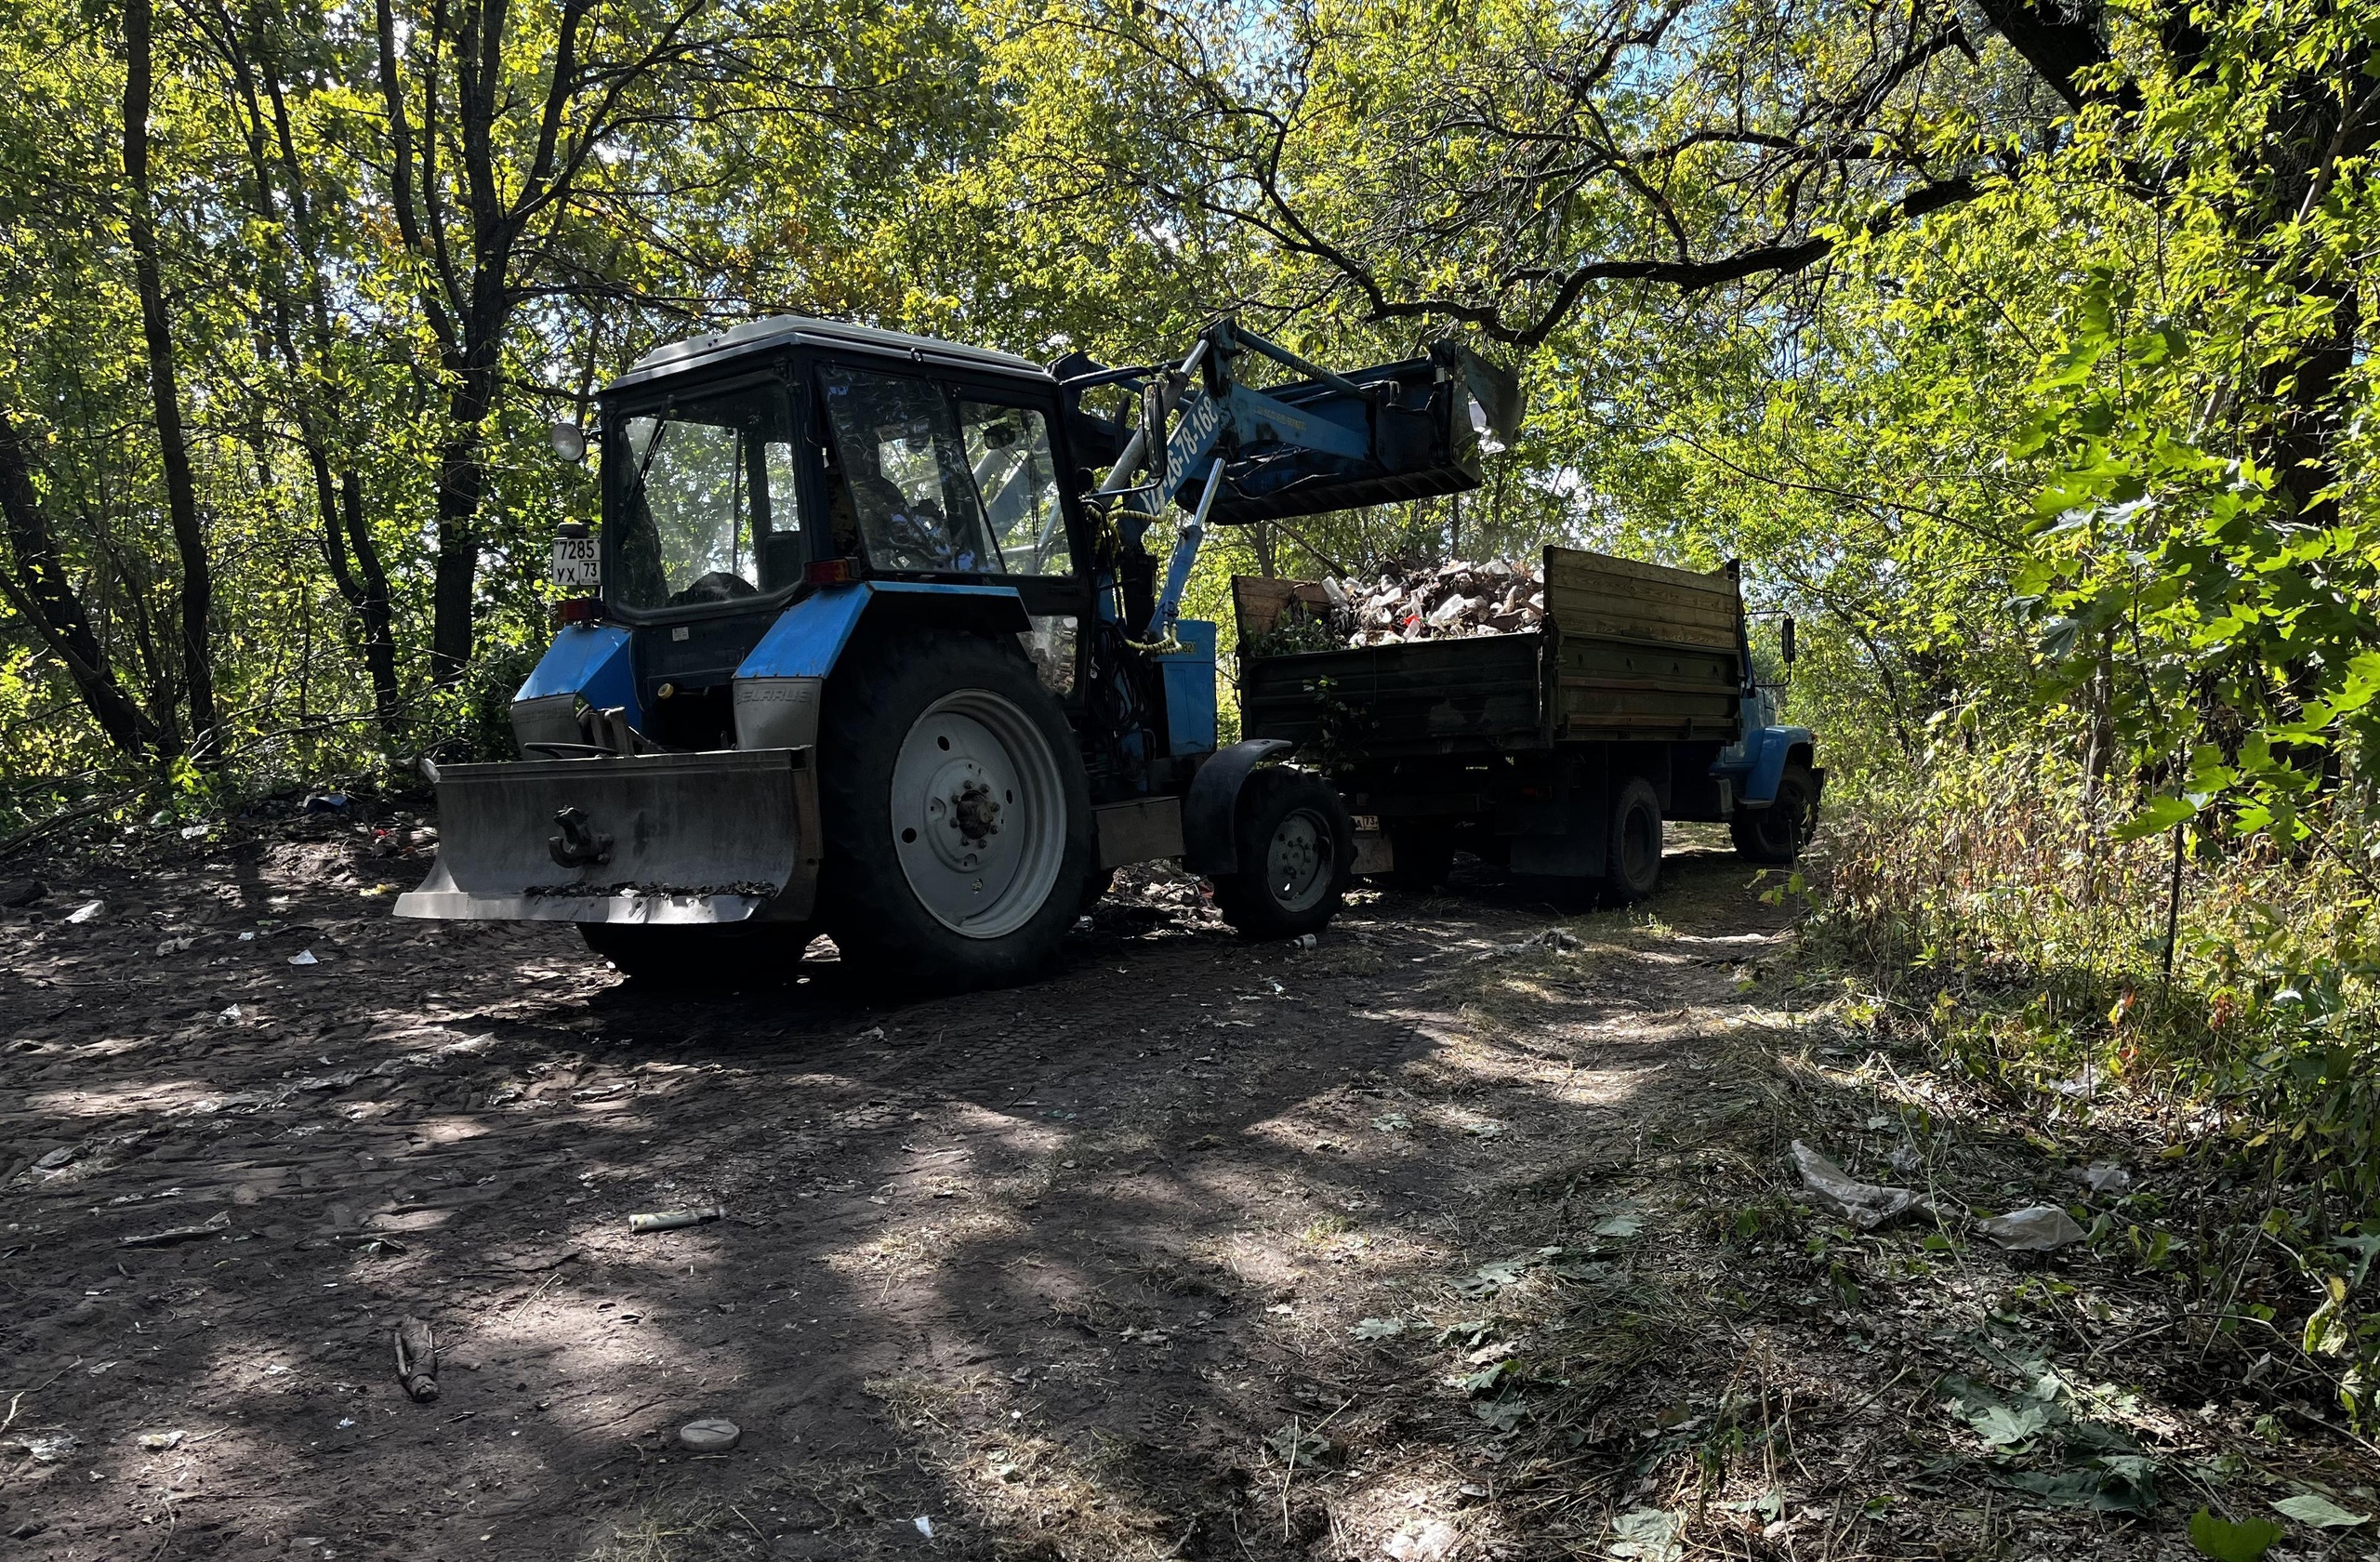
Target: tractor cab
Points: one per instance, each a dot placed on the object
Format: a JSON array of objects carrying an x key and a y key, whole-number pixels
[{"x": 744, "y": 471}]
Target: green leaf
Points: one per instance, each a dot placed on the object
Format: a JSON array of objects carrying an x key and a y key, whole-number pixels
[
  {"x": 2162, "y": 814},
  {"x": 2327, "y": 1333},
  {"x": 2003, "y": 1425},
  {"x": 1502, "y": 1414},
  {"x": 1488, "y": 1378},
  {"x": 2226, "y": 1542},
  {"x": 2312, "y": 1507},
  {"x": 2119, "y": 1483},
  {"x": 1647, "y": 1535},
  {"x": 1294, "y": 1443},
  {"x": 2059, "y": 1489}
]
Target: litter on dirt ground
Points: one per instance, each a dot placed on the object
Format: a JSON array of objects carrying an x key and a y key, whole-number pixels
[
  {"x": 417, "y": 1359},
  {"x": 710, "y": 1435},
  {"x": 1865, "y": 1205},
  {"x": 2106, "y": 1179},
  {"x": 674, "y": 1220},
  {"x": 2035, "y": 1228}
]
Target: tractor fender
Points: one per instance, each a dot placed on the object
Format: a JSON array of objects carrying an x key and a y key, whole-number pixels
[
  {"x": 809, "y": 637},
  {"x": 593, "y": 663},
  {"x": 1208, "y": 842}
]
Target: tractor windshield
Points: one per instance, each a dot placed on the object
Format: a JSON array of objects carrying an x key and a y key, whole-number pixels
[
  {"x": 932, "y": 479},
  {"x": 703, "y": 503}
]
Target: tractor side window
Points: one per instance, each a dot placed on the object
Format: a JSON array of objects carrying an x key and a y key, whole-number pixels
[
  {"x": 701, "y": 491},
  {"x": 901, "y": 477},
  {"x": 1009, "y": 465}
]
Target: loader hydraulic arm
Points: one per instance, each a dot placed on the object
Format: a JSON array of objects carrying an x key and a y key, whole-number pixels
[{"x": 1224, "y": 450}]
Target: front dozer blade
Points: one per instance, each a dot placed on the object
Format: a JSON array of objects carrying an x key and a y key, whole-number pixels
[{"x": 656, "y": 839}]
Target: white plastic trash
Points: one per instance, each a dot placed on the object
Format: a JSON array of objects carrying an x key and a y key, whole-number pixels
[
  {"x": 2106, "y": 1179},
  {"x": 2036, "y": 1228},
  {"x": 1865, "y": 1205}
]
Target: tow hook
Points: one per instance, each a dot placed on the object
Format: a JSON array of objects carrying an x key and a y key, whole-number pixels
[{"x": 578, "y": 844}]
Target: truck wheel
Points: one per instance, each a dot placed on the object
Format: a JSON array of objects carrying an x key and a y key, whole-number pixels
[
  {"x": 1633, "y": 855},
  {"x": 729, "y": 955},
  {"x": 1297, "y": 850},
  {"x": 959, "y": 834},
  {"x": 1778, "y": 833},
  {"x": 1422, "y": 857}
]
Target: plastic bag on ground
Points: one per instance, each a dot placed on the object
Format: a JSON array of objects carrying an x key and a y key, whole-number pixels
[
  {"x": 2105, "y": 1179},
  {"x": 2036, "y": 1228},
  {"x": 1865, "y": 1205}
]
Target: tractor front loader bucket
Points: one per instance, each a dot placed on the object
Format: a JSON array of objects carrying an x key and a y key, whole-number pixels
[{"x": 654, "y": 838}]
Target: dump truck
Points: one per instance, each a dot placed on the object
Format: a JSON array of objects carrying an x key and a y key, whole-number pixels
[
  {"x": 1557, "y": 752},
  {"x": 872, "y": 641}
]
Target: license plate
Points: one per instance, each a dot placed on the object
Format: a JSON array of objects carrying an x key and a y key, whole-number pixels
[{"x": 577, "y": 563}]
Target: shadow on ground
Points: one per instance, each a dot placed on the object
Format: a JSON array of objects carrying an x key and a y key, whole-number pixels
[{"x": 1443, "y": 1238}]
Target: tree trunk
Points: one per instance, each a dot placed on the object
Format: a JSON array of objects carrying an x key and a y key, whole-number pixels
[
  {"x": 196, "y": 594},
  {"x": 40, "y": 590},
  {"x": 2100, "y": 752},
  {"x": 362, "y": 583},
  {"x": 462, "y": 483},
  {"x": 339, "y": 501}
]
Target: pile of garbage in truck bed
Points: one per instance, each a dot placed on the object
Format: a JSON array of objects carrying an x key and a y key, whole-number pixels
[{"x": 1454, "y": 600}]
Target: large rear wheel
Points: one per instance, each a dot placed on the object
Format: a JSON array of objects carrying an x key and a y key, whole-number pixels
[
  {"x": 1296, "y": 845},
  {"x": 959, "y": 832},
  {"x": 1632, "y": 855}
]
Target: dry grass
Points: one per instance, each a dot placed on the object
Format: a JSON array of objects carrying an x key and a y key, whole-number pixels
[{"x": 683, "y": 1530}]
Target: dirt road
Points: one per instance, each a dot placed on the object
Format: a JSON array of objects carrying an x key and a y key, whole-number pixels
[{"x": 1467, "y": 1232}]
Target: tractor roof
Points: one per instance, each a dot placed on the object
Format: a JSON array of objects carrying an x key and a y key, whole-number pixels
[{"x": 791, "y": 330}]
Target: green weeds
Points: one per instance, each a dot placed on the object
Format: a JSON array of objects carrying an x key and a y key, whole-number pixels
[{"x": 2223, "y": 1003}]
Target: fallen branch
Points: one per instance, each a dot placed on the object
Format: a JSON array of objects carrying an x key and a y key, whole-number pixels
[{"x": 57, "y": 821}]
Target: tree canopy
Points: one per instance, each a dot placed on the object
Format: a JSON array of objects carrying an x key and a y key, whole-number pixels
[{"x": 2018, "y": 348}]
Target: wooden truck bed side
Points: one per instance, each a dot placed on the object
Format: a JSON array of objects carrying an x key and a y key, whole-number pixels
[
  {"x": 1637, "y": 652},
  {"x": 1430, "y": 698},
  {"x": 1643, "y": 651}
]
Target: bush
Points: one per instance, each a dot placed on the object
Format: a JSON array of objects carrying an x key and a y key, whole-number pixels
[{"x": 1992, "y": 901}]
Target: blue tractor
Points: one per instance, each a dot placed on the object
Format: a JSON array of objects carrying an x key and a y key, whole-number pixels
[{"x": 871, "y": 642}]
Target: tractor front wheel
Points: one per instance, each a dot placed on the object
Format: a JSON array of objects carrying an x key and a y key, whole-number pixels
[{"x": 1296, "y": 844}]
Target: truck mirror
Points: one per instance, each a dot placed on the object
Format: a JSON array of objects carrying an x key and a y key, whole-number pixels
[
  {"x": 569, "y": 441},
  {"x": 1788, "y": 639}
]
